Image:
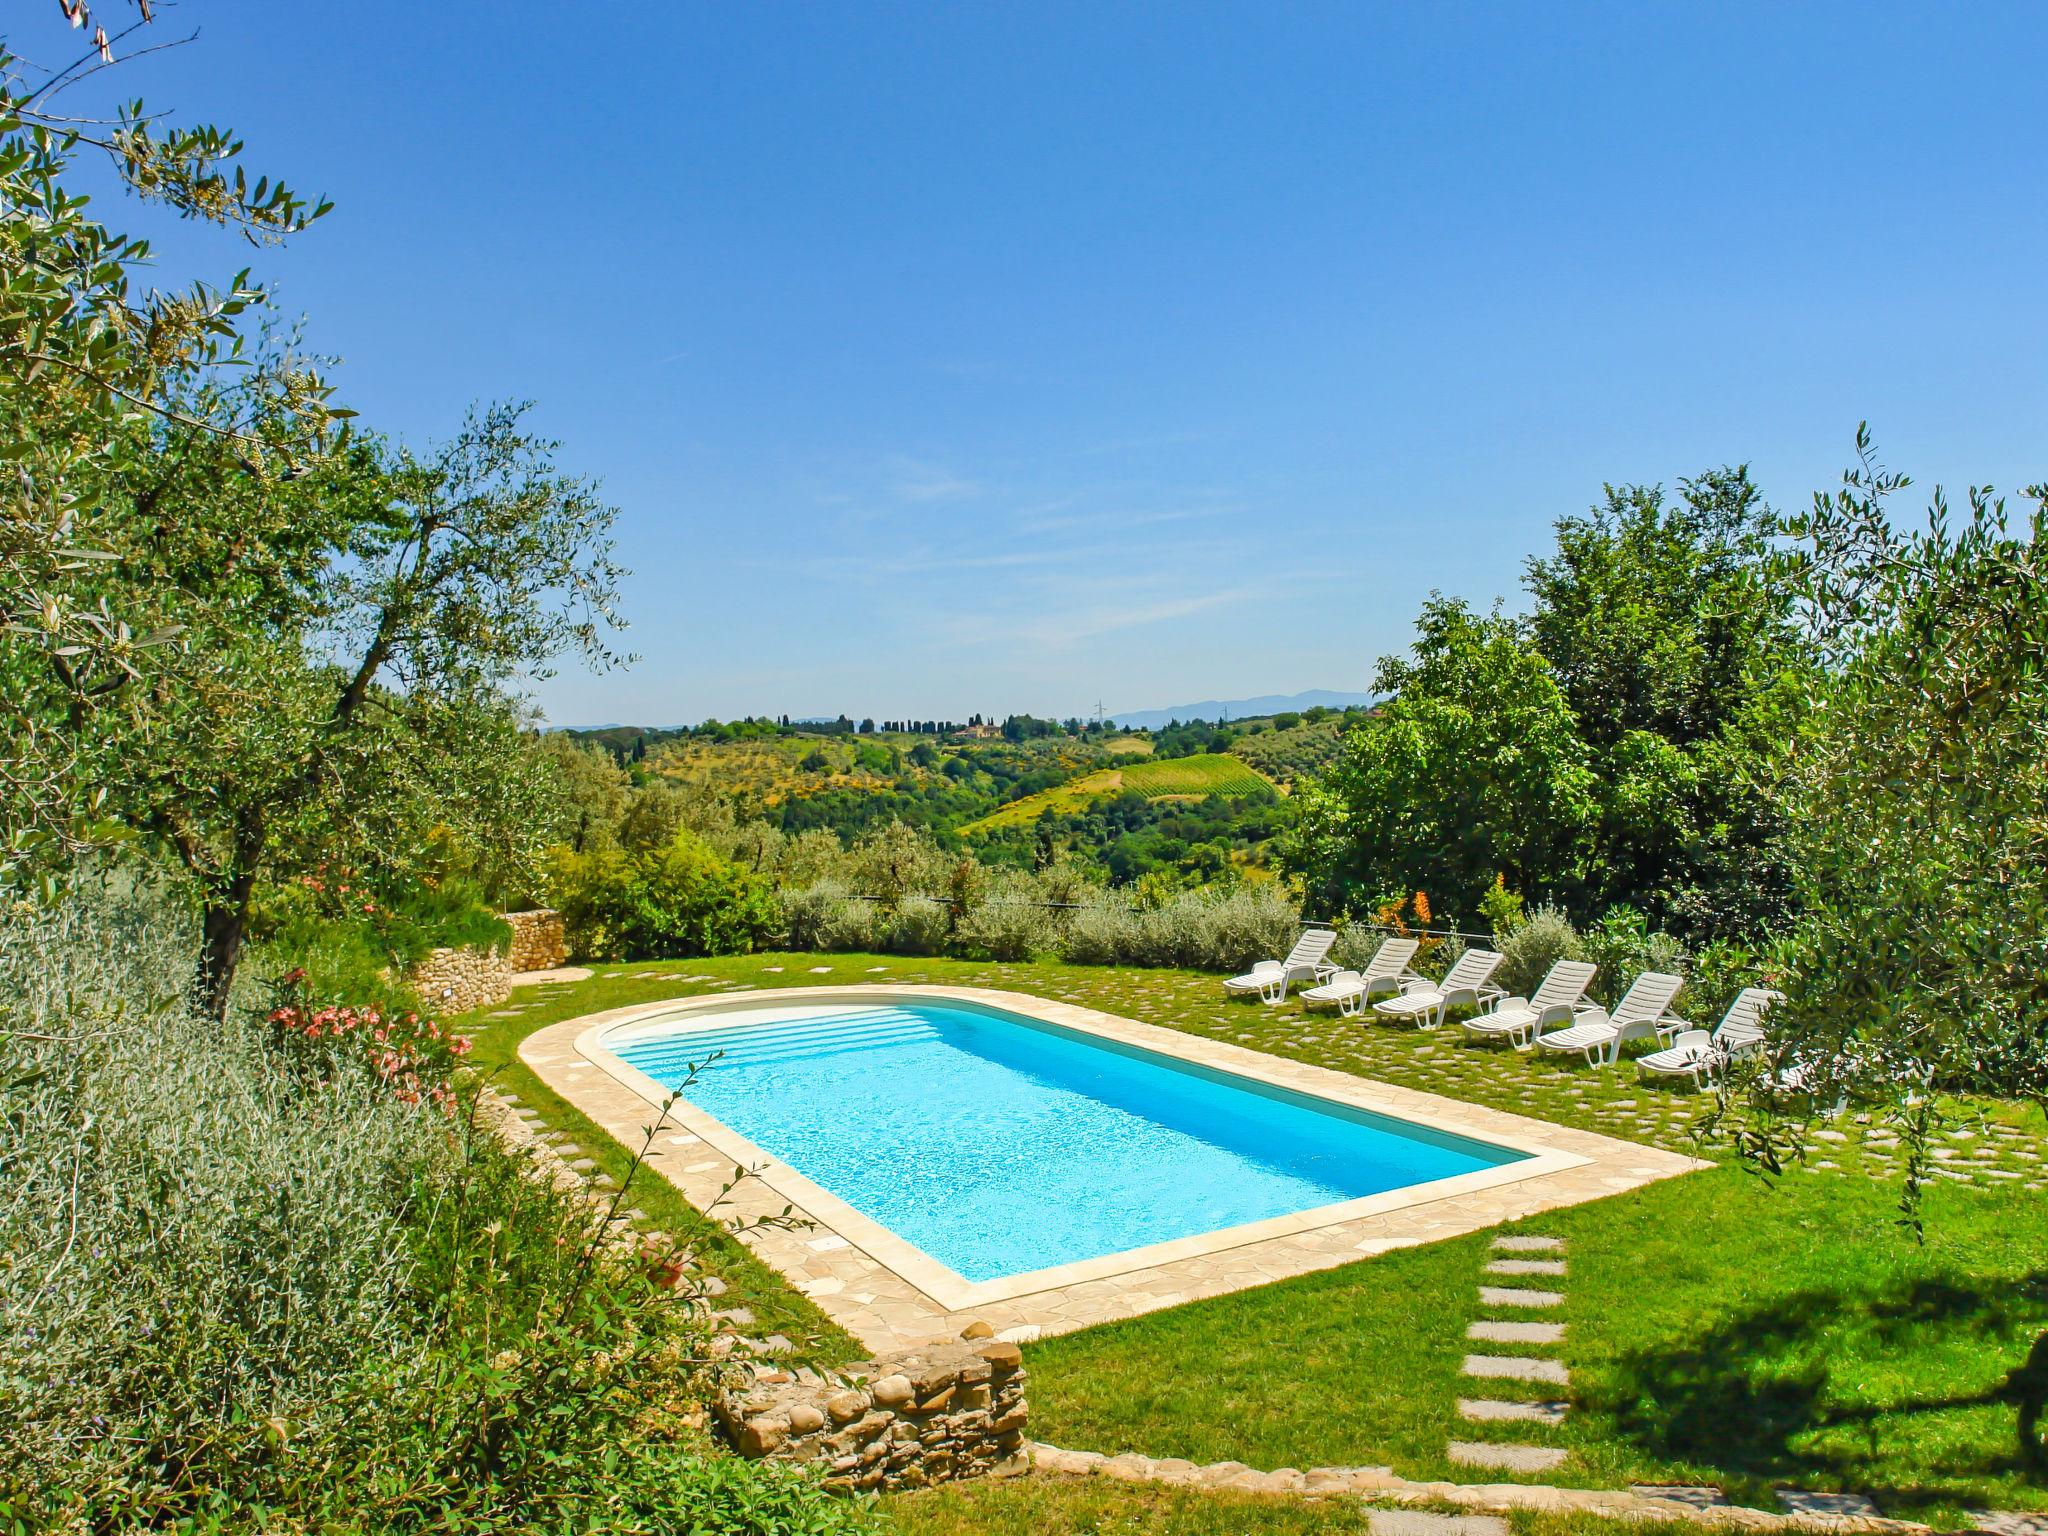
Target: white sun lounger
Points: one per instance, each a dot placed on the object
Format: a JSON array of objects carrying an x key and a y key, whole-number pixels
[
  {"x": 1270, "y": 978},
  {"x": 1468, "y": 981},
  {"x": 1516, "y": 1019},
  {"x": 1642, "y": 1014},
  {"x": 1699, "y": 1055},
  {"x": 1352, "y": 990}
]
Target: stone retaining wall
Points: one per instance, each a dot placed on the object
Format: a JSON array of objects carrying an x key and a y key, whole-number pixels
[
  {"x": 538, "y": 943},
  {"x": 932, "y": 1414},
  {"x": 457, "y": 980}
]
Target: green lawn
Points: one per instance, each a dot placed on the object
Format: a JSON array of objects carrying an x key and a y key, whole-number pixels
[{"x": 1719, "y": 1329}]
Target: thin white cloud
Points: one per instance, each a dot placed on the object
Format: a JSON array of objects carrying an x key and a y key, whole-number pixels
[
  {"x": 878, "y": 567},
  {"x": 915, "y": 481},
  {"x": 1116, "y": 519}
]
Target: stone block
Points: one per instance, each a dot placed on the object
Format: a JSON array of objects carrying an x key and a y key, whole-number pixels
[
  {"x": 1506, "y": 1458},
  {"x": 892, "y": 1391}
]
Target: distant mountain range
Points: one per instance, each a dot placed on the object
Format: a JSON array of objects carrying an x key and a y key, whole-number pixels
[{"x": 1240, "y": 709}]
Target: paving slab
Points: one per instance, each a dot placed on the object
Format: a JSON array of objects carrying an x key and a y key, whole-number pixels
[
  {"x": 558, "y": 974},
  {"x": 1516, "y": 1333},
  {"x": 2007, "y": 1522},
  {"x": 1515, "y": 1296},
  {"x": 1417, "y": 1522},
  {"x": 1529, "y": 1244},
  {"x": 1486, "y": 1410},
  {"x": 1693, "y": 1495},
  {"x": 1806, "y": 1501},
  {"x": 1517, "y": 1368},
  {"x": 1506, "y": 1458},
  {"x": 1526, "y": 1267}
]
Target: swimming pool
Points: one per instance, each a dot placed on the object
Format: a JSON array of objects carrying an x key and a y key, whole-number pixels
[{"x": 1000, "y": 1145}]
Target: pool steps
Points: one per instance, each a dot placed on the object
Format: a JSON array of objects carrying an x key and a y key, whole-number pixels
[{"x": 754, "y": 1044}]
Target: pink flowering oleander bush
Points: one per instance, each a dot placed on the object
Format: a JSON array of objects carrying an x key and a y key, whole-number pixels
[{"x": 414, "y": 1057}]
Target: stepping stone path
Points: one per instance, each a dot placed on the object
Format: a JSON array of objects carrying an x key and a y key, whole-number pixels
[{"x": 1516, "y": 1255}]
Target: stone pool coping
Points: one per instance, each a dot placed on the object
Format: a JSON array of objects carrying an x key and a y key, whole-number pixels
[{"x": 888, "y": 1293}]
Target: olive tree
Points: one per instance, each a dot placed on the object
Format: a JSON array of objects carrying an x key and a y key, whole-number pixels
[
  {"x": 354, "y": 620},
  {"x": 92, "y": 354},
  {"x": 1916, "y": 801}
]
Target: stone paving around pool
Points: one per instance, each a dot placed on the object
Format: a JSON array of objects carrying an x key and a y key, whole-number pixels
[{"x": 888, "y": 1309}]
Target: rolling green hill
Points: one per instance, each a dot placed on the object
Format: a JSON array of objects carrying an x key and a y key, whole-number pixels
[
  {"x": 1285, "y": 756},
  {"x": 1179, "y": 778}
]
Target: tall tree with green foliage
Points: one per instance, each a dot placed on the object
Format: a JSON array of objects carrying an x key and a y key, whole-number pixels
[
  {"x": 1607, "y": 750},
  {"x": 1670, "y": 645},
  {"x": 1473, "y": 770}
]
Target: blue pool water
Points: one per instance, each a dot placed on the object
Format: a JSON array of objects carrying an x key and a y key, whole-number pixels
[{"x": 999, "y": 1145}]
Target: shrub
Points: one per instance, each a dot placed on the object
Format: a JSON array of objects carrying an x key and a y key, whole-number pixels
[
  {"x": 1208, "y": 929},
  {"x": 1356, "y": 944},
  {"x": 921, "y": 926},
  {"x": 1623, "y": 946},
  {"x": 1720, "y": 970},
  {"x": 1405, "y": 917},
  {"x": 201, "y": 1243},
  {"x": 247, "y": 1287},
  {"x": 1447, "y": 952},
  {"x": 823, "y": 916},
  {"x": 804, "y": 911},
  {"x": 680, "y": 899},
  {"x": 1230, "y": 929},
  {"x": 1102, "y": 932},
  {"x": 1545, "y": 937},
  {"x": 1500, "y": 908},
  {"x": 850, "y": 925},
  {"x": 1012, "y": 924}
]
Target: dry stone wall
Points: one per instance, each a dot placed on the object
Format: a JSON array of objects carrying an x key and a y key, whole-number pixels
[
  {"x": 457, "y": 980},
  {"x": 538, "y": 942},
  {"x": 932, "y": 1414}
]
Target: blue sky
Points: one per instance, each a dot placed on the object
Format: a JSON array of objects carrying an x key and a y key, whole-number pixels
[{"x": 962, "y": 357}]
